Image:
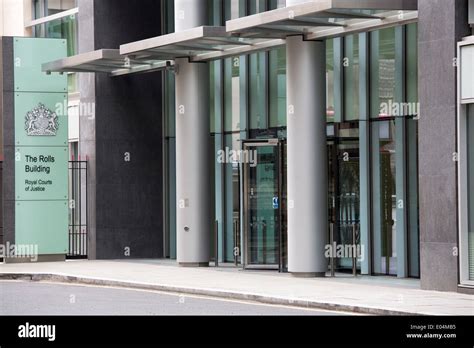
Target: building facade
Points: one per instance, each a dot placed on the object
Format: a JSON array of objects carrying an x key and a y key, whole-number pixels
[{"x": 279, "y": 134}]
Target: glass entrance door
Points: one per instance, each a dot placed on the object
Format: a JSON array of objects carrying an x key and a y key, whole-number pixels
[{"x": 264, "y": 206}]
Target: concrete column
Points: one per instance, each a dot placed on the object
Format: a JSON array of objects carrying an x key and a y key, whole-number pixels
[
  {"x": 193, "y": 164},
  {"x": 437, "y": 176},
  {"x": 307, "y": 157}
]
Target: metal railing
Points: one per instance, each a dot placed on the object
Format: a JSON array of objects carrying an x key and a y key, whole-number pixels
[{"x": 78, "y": 217}]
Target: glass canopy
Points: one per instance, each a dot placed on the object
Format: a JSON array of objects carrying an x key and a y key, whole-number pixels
[
  {"x": 315, "y": 20},
  {"x": 106, "y": 61}
]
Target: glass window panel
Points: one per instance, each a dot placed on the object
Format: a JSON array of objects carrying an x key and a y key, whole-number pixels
[
  {"x": 330, "y": 80},
  {"x": 382, "y": 71},
  {"x": 412, "y": 150},
  {"x": 232, "y": 197},
  {"x": 351, "y": 78},
  {"x": 169, "y": 17},
  {"x": 56, "y": 6},
  {"x": 277, "y": 87},
  {"x": 412, "y": 196},
  {"x": 234, "y": 9},
  {"x": 215, "y": 12},
  {"x": 38, "y": 8},
  {"x": 212, "y": 95},
  {"x": 232, "y": 94},
  {"x": 170, "y": 104},
  {"x": 171, "y": 195},
  {"x": 43, "y": 8},
  {"x": 257, "y": 78},
  {"x": 412, "y": 63},
  {"x": 257, "y": 91},
  {"x": 257, "y": 6},
  {"x": 72, "y": 82},
  {"x": 344, "y": 187},
  {"x": 384, "y": 197},
  {"x": 274, "y": 4}
]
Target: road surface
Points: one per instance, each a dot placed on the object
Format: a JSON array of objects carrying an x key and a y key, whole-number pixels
[{"x": 41, "y": 298}]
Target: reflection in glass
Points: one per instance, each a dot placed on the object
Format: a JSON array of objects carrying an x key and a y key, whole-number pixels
[
  {"x": 232, "y": 94},
  {"x": 382, "y": 70},
  {"x": 351, "y": 78},
  {"x": 258, "y": 78},
  {"x": 385, "y": 199},
  {"x": 412, "y": 152},
  {"x": 257, "y": 91},
  {"x": 277, "y": 87},
  {"x": 330, "y": 80},
  {"x": 43, "y": 8},
  {"x": 232, "y": 196}
]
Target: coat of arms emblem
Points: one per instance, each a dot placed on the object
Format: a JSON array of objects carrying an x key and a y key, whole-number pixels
[{"x": 41, "y": 122}]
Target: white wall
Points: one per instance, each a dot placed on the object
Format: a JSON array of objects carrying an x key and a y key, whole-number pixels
[{"x": 13, "y": 15}]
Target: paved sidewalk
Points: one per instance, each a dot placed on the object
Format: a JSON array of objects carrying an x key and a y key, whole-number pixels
[{"x": 371, "y": 295}]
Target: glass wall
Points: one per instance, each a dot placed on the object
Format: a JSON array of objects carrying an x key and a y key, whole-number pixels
[
  {"x": 393, "y": 103},
  {"x": 366, "y": 75}
]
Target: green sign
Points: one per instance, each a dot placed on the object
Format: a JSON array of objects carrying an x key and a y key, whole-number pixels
[
  {"x": 41, "y": 173},
  {"x": 41, "y": 119},
  {"x": 42, "y": 223},
  {"x": 41, "y": 147},
  {"x": 29, "y": 55}
]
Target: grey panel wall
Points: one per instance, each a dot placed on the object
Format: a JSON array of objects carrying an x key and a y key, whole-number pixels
[
  {"x": 441, "y": 24},
  {"x": 125, "y": 197}
]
